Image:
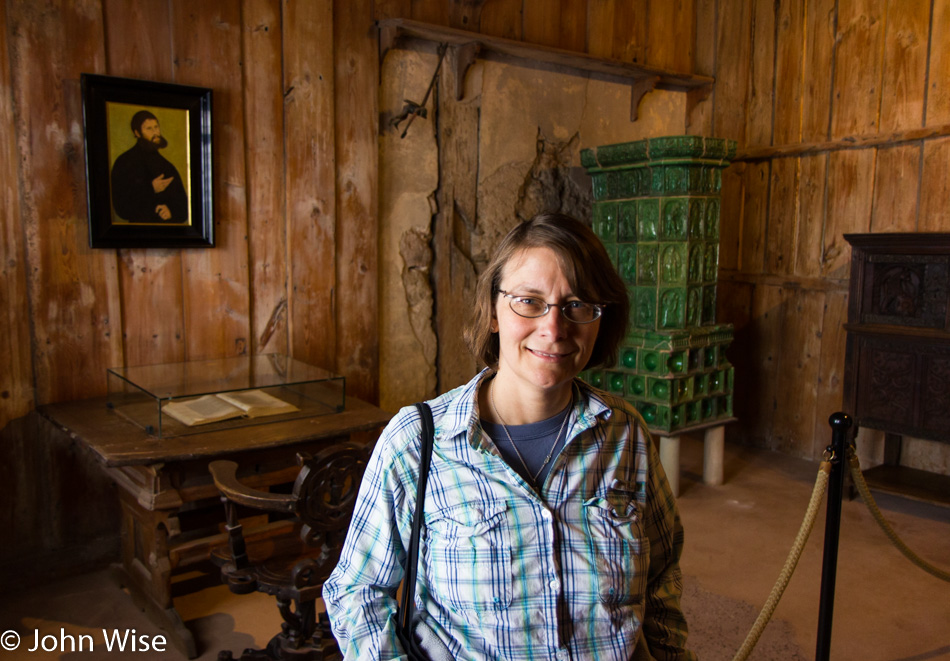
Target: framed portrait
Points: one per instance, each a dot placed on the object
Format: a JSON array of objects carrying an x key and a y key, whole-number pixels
[{"x": 148, "y": 163}]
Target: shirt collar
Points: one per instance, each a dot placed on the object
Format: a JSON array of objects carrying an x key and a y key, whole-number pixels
[{"x": 462, "y": 415}]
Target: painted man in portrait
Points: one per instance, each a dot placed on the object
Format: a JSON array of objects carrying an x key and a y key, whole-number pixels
[{"x": 146, "y": 187}]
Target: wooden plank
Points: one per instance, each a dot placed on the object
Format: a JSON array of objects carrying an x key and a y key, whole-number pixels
[
  {"x": 266, "y": 220},
  {"x": 811, "y": 217},
  {"x": 755, "y": 209},
  {"x": 454, "y": 273},
  {"x": 357, "y": 168},
  {"x": 671, "y": 37},
  {"x": 830, "y": 368},
  {"x": 850, "y": 178},
  {"x": 896, "y": 179},
  {"x": 758, "y": 129},
  {"x": 784, "y": 216},
  {"x": 138, "y": 45},
  {"x": 734, "y": 51},
  {"x": 73, "y": 289},
  {"x": 207, "y": 50},
  {"x": 798, "y": 354},
  {"x": 905, "y": 65},
  {"x": 730, "y": 216},
  {"x": 617, "y": 29},
  {"x": 818, "y": 69},
  {"x": 699, "y": 120},
  {"x": 572, "y": 33},
  {"x": 858, "y": 67},
  {"x": 541, "y": 22},
  {"x": 16, "y": 369},
  {"x": 762, "y": 339},
  {"x": 431, "y": 11},
  {"x": 938, "y": 77},
  {"x": 392, "y": 9},
  {"x": 501, "y": 18},
  {"x": 851, "y": 142},
  {"x": 790, "y": 36},
  {"x": 310, "y": 172},
  {"x": 935, "y": 187}
]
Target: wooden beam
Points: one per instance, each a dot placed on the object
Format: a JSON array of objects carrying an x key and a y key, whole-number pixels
[
  {"x": 851, "y": 142},
  {"x": 393, "y": 29}
]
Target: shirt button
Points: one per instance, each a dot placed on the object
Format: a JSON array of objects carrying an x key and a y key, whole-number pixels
[{"x": 555, "y": 584}]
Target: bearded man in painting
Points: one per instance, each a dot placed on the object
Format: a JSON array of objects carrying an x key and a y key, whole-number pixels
[{"x": 146, "y": 187}]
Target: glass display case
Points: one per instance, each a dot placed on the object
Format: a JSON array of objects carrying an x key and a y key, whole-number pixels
[{"x": 175, "y": 399}]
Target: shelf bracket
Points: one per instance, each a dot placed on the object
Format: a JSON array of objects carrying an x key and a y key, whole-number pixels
[
  {"x": 638, "y": 89},
  {"x": 465, "y": 56}
]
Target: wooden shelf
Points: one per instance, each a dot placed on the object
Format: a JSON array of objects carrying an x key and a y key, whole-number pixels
[
  {"x": 910, "y": 483},
  {"x": 471, "y": 45}
]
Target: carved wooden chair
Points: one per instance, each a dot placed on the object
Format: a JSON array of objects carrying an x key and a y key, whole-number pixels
[{"x": 292, "y": 567}]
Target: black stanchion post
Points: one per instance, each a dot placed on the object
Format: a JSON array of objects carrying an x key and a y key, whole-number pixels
[{"x": 840, "y": 423}]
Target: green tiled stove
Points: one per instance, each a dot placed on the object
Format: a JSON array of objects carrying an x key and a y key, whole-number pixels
[{"x": 656, "y": 208}]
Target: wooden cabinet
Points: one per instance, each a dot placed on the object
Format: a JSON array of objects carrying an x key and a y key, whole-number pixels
[{"x": 897, "y": 368}]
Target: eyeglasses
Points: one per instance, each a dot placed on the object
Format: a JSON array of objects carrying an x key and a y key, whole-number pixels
[{"x": 531, "y": 307}]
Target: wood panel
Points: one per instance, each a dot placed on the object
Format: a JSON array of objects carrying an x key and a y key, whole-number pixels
[
  {"x": 789, "y": 38},
  {"x": 310, "y": 179},
  {"x": 263, "y": 97},
  {"x": 935, "y": 187},
  {"x": 16, "y": 373},
  {"x": 730, "y": 223},
  {"x": 905, "y": 65},
  {"x": 850, "y": 182},
  {"x": 818, "y": 69},
  {"x": 617, "y": 29},
  {"x": 149, "y": 279},
  {"x": 812, "y": 205},
  {"x": 762, "y": 340},
  {"x": 798, "y": 360},
  {"x": 207, "y": 51},
  {"x": 896, "y": 186},
  {"x": 858, "y": 65},
  {"x": 671, "y": 36},
  {"x": 830, "y": 370},
  {"x": 73, "y": 290},
  {"x": 699, "y": 121},
  {"x": 454, "y": 273},
  {"x": 937, "y": 110},
  {"x": 732, "y": 70},
  {"x": 758, "y": 130},
  {"x": 431, "y": 11},
  {"x": 755, "y": 210},
  {"x": 357, "y": 234},
  {"x": 541, "y": 22},
  {"x": 501, "y": 18},
  {"x": 784, "y": 216}
]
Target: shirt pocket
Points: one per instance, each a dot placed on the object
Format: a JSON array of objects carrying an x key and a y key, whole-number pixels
[
  {"x": 618, "y": 547},
  {"x": 468, "y": 556}
]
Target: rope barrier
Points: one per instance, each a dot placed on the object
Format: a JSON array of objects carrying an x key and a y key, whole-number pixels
[
  {"x": 818, "y": 493},
  {"x": 868, "y": 499},
  {"x": 821, "y": 485}
]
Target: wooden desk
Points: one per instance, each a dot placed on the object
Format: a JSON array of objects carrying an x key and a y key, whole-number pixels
[{"x": 165, "y": 487}]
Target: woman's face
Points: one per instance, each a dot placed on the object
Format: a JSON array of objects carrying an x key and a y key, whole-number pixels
[{"x": 545, "y": 352}]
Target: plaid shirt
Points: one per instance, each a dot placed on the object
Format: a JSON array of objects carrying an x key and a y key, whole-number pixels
[{"x": 587, "y": 568}]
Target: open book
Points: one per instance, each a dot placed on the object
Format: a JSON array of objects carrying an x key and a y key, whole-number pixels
[{"x": 227, "y": 405}]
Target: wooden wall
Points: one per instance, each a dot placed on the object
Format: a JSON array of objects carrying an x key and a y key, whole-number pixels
[
  {"x": 294, "y": 193},
  {"x": 842, "y": 110}
]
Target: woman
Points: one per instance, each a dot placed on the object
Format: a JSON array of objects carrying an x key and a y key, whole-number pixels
[{"x": 550, "y": 530}]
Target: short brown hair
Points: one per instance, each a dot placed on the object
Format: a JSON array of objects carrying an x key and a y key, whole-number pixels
[{"x": 586, "y": 266}]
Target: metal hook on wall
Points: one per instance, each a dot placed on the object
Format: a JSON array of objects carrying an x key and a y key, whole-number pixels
[{"x": 412, "y": 109}]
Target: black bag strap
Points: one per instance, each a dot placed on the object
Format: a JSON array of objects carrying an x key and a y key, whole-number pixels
[{"x": 407, "y": 607}]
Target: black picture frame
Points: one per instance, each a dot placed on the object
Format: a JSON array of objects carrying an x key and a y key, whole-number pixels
[{"x": 131, "y": 206}]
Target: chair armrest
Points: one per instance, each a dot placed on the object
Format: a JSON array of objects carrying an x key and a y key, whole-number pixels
[{"x": 224, "y": 474}]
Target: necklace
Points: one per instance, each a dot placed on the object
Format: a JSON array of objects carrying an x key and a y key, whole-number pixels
[{"x": 567, "y": 414}]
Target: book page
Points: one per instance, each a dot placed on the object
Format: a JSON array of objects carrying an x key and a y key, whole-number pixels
[
  {"x": 256, "y": 403},
  {"x": 202, "y": 410}
]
